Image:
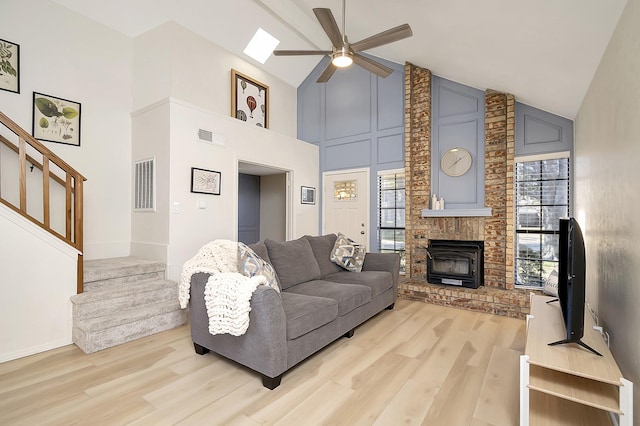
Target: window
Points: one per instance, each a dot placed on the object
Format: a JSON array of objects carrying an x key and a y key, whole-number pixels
[
  {"x": 391, "y": 233},
  {"x": 541, "y": 199}
]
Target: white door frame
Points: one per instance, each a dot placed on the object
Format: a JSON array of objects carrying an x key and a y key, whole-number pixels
[
  {"x": 368, "y": 198},
  {"x": 289, "y": 217}
]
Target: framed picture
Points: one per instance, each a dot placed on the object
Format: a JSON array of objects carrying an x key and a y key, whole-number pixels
[
  {"x": 308, "y": 195},
  {"x": 9, "y": 66},
  {"x": 249, "y": 100},
  {"x": 56, "y": 119},
  {"x": 205, "y": 181}
]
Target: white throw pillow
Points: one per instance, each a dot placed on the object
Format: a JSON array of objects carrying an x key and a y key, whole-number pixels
[{"x": 551, "y": 284}]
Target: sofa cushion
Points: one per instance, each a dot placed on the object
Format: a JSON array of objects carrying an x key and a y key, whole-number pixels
[
  {"x": 348, "y": 254},
  {"x": 293, "y": 261},
  {"x": 322, "y": 247},
  {"x": 306, "y": 313},
  {"x": 348, "y": 296},
  {"x": 250, "y": 264},
  {"x": 379, "y": 281},
  {"x": 260, "y": 249}
]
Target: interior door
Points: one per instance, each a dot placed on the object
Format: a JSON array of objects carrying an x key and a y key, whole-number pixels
[
  {"x": 345, "y": 204},
  {"x": 248, "y": 208}
]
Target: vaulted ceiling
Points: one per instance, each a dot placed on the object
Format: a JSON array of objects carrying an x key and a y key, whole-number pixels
[{"x": 545, "y": 52}]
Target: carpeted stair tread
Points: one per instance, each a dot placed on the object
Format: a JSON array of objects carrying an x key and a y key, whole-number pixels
[
  {"x": 129, "y": 328},
  {"x": 90, "y": 325},
  {"x": 109, "y": 301},
  {"x": 124, "y": 290},
  {"x": 104, "y": 269},
  {"x": 122, "y": 281}
]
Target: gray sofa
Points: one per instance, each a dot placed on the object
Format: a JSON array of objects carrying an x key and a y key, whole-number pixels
[{"x": 319, "y": 302}]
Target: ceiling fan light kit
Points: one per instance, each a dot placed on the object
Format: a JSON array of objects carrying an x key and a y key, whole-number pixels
[
  {"x": 342, "y": 58},
  {"x": 345, "y": 54}
]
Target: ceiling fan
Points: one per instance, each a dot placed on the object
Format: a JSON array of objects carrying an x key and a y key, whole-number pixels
[{"x": 344, "y": 53}]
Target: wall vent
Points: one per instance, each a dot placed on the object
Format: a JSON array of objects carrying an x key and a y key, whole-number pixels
[
  {"x": 144, "y": 185},
  {"x": 207, "y": 136}
]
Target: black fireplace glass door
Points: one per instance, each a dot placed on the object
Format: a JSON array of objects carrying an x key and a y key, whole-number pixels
[{"x": 456, "y": 265}]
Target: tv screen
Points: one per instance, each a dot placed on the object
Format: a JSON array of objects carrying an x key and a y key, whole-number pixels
[{"x": 572, "y": 282}]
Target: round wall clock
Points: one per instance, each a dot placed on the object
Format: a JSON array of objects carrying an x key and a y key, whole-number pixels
[{"x": 456, "y": 162}]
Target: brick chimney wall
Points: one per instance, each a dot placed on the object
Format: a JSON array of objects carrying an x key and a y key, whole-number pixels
[{"x": 498, "y": 295}]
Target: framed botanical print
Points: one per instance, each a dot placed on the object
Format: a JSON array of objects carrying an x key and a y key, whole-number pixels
[
  {"x": 9, "y": 66},
  {"x": 56, "y": 119},
  {"x": 249, "y": 100}
]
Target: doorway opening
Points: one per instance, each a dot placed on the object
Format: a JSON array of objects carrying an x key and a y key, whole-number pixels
[{"x": 263, "y": 203}]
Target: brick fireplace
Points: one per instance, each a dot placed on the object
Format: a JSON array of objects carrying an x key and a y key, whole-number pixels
[{"x": 498, "y": 295}]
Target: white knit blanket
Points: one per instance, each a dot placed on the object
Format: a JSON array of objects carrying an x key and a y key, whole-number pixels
[
  {"x": 227, "y": 297},
  {"x": 227, "y": 292}
]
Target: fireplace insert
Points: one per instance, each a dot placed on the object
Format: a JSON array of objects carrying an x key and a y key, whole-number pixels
[{"x": 456, "y": 262}]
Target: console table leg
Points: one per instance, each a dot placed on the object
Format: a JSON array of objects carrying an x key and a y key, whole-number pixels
[
  {"x": 524, "y": 390},
  {"x": 626, "y": 402}
]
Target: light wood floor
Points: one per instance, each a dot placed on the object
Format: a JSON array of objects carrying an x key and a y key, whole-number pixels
[{"x": 417, "y": 364}]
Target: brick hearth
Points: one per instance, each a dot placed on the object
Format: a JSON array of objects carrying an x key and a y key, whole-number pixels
[{"x": 498, "y": 296}]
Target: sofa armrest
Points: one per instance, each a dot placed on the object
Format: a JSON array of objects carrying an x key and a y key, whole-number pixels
[
  {"x": 384, "y": 262},
  {"x": 262, "y": 348}
]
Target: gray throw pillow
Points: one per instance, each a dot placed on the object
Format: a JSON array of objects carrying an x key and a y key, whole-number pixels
[{"x": 293, "y": 261}]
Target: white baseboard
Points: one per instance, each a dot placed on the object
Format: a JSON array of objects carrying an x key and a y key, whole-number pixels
[{"x": 35, "y": 349}]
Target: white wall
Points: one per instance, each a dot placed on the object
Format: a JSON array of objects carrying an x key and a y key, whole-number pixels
[
  {"x": 171, "y": 61},
  {"x": 190, "y": 227},
  {"x": 607, "y": 146},
  {"x": 65, "y": 55},
  {"x": 35, "y": 310},
  {"x": 184, "y": 81},
  {"x": 193, "y": 227}
]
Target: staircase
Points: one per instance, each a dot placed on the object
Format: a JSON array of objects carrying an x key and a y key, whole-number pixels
[{"x": 124, "y": 299}]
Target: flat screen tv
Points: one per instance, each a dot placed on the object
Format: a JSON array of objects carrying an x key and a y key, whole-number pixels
[{"x": 571, "y": 282}]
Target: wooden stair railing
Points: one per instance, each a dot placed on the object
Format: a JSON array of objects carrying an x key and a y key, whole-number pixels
[{"x": 72, "y": 184}]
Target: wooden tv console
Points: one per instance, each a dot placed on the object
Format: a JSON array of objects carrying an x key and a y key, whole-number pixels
[{"x": 567, "y": 384}]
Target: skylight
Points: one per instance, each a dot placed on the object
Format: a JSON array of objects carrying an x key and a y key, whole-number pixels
[{"x": 261, "y": 46}]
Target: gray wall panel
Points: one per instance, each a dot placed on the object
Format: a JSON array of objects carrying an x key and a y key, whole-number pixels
[
  {"x": 360, "y": 122},
  {"x": 458, "y": 122},
  {"x": 390, "y": 149},
  {"x": 348, "y": 103},
  {"x": 348, "y": 155},
  {"x": 390, "y": 101},
  {"x": 540, "y": 132}
]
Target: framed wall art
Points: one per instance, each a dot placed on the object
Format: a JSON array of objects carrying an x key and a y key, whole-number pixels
[
  {"x": 308, "y": 195},
  {"x": 249, "y": 100},
  {"x": 205, "y": 181},
  {"x": 56, "y": 119},
  {"x": 9, "y": 66}
]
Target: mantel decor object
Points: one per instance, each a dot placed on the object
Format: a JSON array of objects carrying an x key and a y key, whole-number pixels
[
  {"x": 249, "y": 100},
  {"x": 9, "y": 66},
  {"x": 205, "y": 181},
  {"x": 56, "y": 119}
]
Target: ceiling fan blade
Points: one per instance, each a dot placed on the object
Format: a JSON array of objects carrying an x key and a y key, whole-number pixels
[
  {"x": 389, "y": 36},
  {"x": 327, "y": 73},
  {"x": 373, "y": 66},
  {"x": 300, "y": 52},
  {"x": 329, "y": 25}
]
